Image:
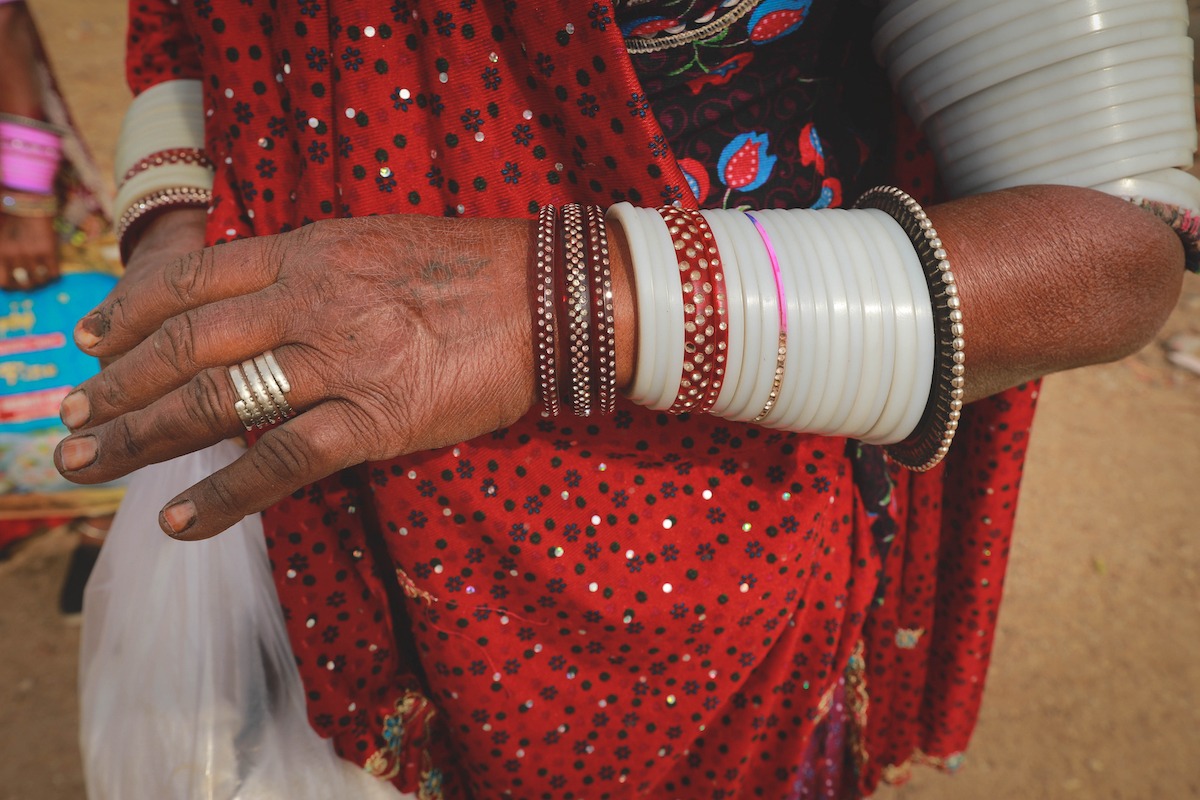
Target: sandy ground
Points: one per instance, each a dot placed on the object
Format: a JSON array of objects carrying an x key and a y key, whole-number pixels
[{"x": 1095, "y": 686}]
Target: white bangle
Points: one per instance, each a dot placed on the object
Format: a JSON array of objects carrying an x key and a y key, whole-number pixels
[
  {"x": 624, "y": 216},
  {"x": 735, "y": 310},
  {"x": 868, "y": 359},
  {"x": 811, "y": 355},
  {"x": 881, "y": 370},
  {"x": 846, "y": 355},
  {"x": 669, "y": 354},
  {"x": 896, "y": 259},
  {"x": 762, "y": 322},
  {"x": 800, "y": 311},
  {"x": 922, "y": 371}
]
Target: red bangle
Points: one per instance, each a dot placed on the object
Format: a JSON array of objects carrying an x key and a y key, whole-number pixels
[
  {"x": 604, "y": 362},
  {"x": 574, "y": 308},
  {"x": 547, "y": 357},
  {"x": 706, "y": 327},
  {"x": 177, "y": 155}
]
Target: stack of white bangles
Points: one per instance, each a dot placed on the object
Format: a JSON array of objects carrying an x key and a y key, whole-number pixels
[
  {"x": 830, "y": 326},
  {"x": 1093, "y": 93}
]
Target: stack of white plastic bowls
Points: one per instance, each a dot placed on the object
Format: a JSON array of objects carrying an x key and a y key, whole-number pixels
[{"x": 1078, "y": 92}]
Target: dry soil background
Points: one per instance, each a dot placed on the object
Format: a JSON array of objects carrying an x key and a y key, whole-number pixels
[{"x": 1095, "y": 686}]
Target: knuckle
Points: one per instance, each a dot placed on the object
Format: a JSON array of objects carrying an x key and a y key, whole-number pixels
[
  {"x": 184, "y": 276},
  {"x": 284, "y": 456},
  {"x": 208, "y": 403},
  {"x": 109, "y": 388},
  {"x": 177, "y": 344},
  {"x": 223, "y": 494},
  {"x": 125, "y": 438}
]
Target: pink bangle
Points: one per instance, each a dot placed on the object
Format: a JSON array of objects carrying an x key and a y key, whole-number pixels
[
  {"x": 781, "y": 351},
  {"x": 29, "y": 154}
]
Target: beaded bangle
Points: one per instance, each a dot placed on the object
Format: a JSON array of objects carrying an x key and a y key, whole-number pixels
[
  {"x": 140, "y": 211},
  {"x": 735, "y": 309},
  {"x": 706, "y": 337},
  {"x": 929, "y": 443},
  {"x": 575, "y": 312},
  {"x": 547, "y": 358},
  {"x": 781, "y": 299},
  {"x": 177, "y": 155},
  {"x": 604, "y": 338}
]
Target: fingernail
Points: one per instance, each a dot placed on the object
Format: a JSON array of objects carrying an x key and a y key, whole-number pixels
[
  {"x": 177, "y": 518},
  {"x": 89, "y": 330},
  {"x": 84, "y": 338},
  {"x": 78, "y": 453},
  {"x": 75, "y": 410}
]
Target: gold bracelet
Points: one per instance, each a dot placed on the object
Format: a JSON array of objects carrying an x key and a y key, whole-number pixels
[{"x": 28, "y": 204}]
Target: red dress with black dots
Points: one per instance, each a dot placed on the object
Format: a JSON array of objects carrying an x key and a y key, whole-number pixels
[{"x": 636, "y": 605}]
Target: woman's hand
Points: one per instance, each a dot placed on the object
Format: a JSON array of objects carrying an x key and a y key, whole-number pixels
[
  {"x": 397, "y": 334},
  {"x": 28, "y": 252}
]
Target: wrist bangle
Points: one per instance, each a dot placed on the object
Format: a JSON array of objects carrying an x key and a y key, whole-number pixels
[
  {"x": 735, "y": 309},
  {"x": 165, "y": 199},
  {"x": 604, "y": 360},
  {"x": 928, "y": 444},
  {"x": 781, "y": 345},
  {"x": 576, "y": 332},
  {"x": 670, "y": 319},
  {"x": 547, "y": 358},
  {"x": 706, "y": 331},
  {"x": 27, "y": 204},
  {"x": 176, "y": 155}
]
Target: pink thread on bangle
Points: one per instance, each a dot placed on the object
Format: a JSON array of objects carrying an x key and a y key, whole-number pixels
[
  {"x": 781, "y": 349},
  {"x": 774, "y": 269}
]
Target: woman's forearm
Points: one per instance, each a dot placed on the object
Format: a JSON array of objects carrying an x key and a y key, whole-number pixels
[
  {"x": 19, "y": 90},
  {"x": 1055, "y": 277}
]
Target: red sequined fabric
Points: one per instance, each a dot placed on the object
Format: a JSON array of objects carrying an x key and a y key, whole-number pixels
[{"x": 604, "y": 607}]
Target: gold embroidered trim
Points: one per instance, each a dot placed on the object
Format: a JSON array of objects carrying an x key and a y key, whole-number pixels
[{"x": 635, "y": 44}]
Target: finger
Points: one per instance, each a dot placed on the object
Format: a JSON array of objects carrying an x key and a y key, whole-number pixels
[
  {"x": 19, "y": 277},
  {"x": 196, "y": 415},
  {"x": 306, "y": 449},
  {"x": 133, "y": 311},
  {"x": 42, "y": 274},
  {"x": 215, "y": 335}
]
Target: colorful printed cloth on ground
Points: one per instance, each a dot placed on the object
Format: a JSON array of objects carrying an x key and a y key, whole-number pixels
[{"x": 640, "y": 604}]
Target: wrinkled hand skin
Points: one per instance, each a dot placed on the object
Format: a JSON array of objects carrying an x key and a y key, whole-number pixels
[
  {"x": 397, "y": 334},
  {"x": 28, "y": 243}
]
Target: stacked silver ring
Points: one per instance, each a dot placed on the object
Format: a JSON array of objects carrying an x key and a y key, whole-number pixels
[{"x": 262, "y": 391}]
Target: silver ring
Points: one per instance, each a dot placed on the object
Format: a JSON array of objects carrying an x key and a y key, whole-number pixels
[
  {"x": 20, "y": 276},
  {"x": 245, "y": 406},
  {"x": 258, "y": 387},
  {"x": 261, "y": 388},
  {"x": 273, "y": 387}
]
